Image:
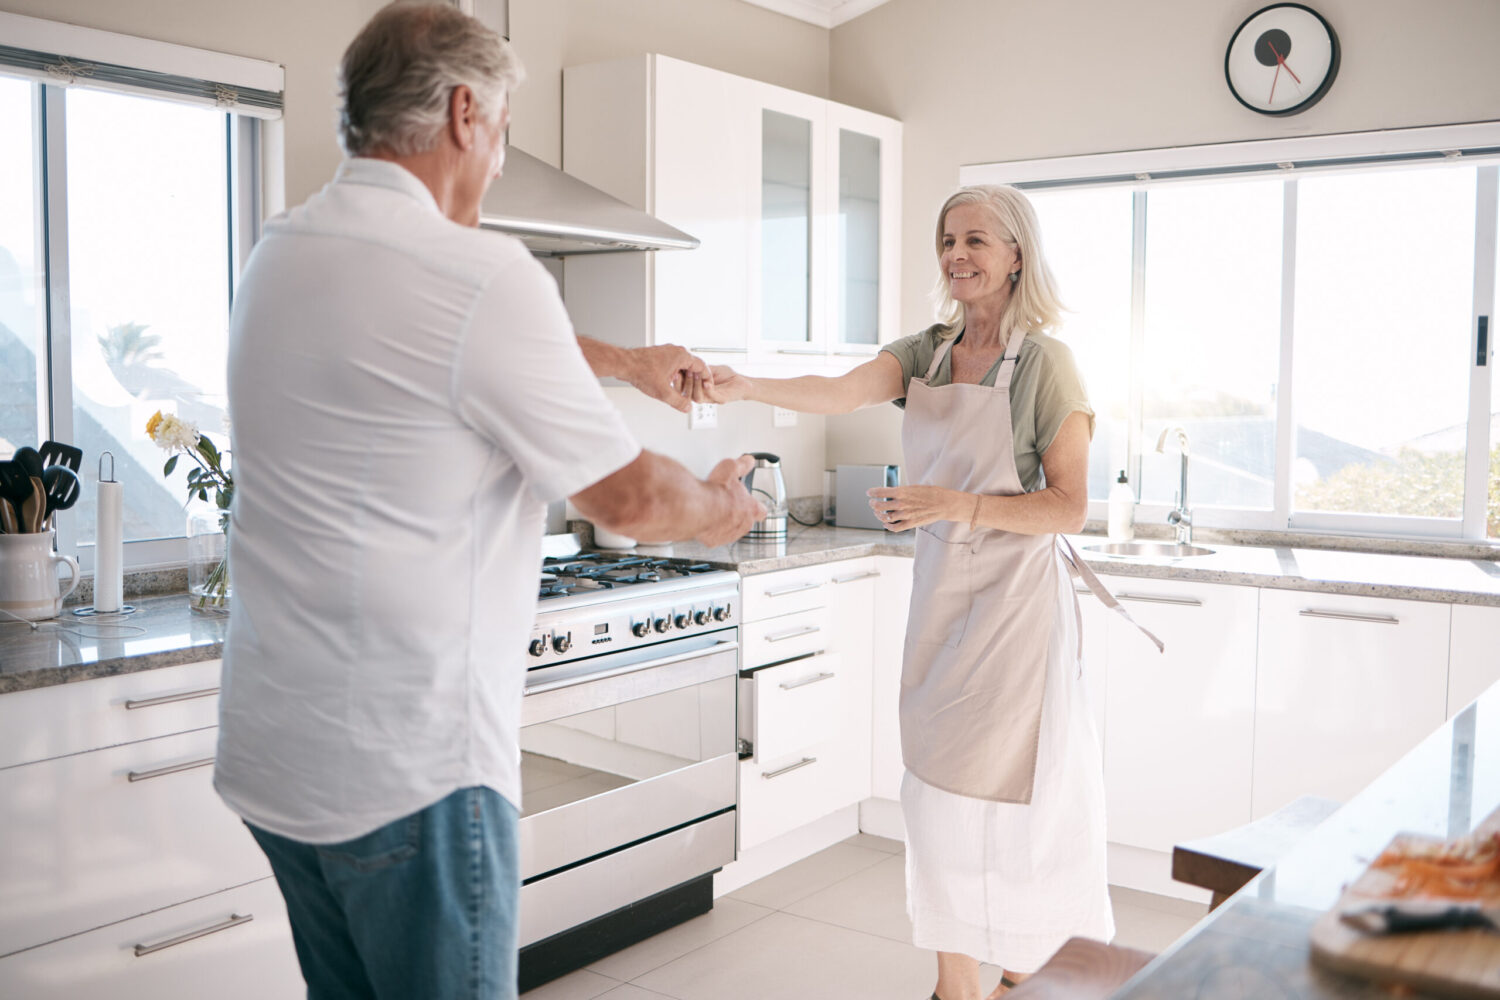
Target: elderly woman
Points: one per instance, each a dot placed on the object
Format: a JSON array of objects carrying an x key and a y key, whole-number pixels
[{"x": 1003, "y": 795}]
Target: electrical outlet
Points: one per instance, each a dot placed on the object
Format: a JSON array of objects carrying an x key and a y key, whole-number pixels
[
  {"x": 782, "y": 417},
  {"x": 703, "y": 416}
]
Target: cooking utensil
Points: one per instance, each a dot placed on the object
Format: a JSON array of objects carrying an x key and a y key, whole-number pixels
[
  {"x": 1407, "y": 915},
  {"x": 765, "y": 479},
  {"x": 15, "y": 487},
  {"x": 56, "y": 453},
  {"x": 61, "y": 487},
  {"x": 29, "y": 461},
  {"x": 34, "y": 508}
]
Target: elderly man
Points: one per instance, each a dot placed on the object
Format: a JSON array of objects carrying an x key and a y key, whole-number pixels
[{"x": 406, "y": 393}]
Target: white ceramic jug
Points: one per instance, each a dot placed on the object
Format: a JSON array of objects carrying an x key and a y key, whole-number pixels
[{"x": 29, "y": 578}]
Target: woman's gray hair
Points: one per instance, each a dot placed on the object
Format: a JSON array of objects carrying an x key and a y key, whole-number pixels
[
  {"x": 398, "y": 76},
  {"x": 1033, "y": 305}
]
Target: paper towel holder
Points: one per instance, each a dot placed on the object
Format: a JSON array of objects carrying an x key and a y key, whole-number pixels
[{"x": 125, "y": 609}]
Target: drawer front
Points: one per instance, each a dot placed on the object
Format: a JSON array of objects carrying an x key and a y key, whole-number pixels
[
  {"x": 98, "y": 837},
  {"x": 71, "y": 718},
  {"x": 782, "y": 638},
  {"x": 782, "y": 795},
  {"x": 785, "y": 592},
  {"x": 205, "y": 947},
  {"x": 797, "y": 705}
]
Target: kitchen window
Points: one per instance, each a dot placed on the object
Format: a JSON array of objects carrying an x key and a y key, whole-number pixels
[
  {"x": 1309, "y": 310},
  {"x": 130, "y": 187}
]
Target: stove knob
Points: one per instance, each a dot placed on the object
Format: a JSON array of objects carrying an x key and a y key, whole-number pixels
[
  {"x": 537, "y": 647},
  {"x": 721, "y": 613},
  {"x": 662, "y": 624},
  {"x": 641, "y": 629},
  {"x": 561, "y": 643},
  {"x": 701, "y": 617},
  {"x": 683, "y": 620}
]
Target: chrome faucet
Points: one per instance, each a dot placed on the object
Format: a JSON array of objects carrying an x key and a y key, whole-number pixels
[{"x": 1182, "y": 515}]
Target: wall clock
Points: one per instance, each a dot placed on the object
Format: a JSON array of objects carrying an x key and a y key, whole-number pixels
[{"x": 1282, "y": 59}]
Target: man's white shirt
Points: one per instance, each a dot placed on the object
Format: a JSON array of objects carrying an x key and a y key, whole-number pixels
[{"x": 406, "y": 395}]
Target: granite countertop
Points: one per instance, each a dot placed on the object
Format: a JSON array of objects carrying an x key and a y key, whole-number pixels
[
  {"x": 1369, "y": 574},
  {"x": 1256, "y": 944},
  {"x": 165, "y": 631}
]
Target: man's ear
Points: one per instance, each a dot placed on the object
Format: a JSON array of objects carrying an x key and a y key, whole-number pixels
[{"x": 463, "y": 117}]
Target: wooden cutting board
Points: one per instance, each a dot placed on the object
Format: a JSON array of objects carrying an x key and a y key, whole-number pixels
[{"x": 1461, "y": 963}]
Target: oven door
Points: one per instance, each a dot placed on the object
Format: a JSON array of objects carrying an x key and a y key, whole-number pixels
[{"x": 628, "y": 771}]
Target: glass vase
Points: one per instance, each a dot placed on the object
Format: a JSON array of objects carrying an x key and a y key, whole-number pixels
[{"x": 208, "y": 558}]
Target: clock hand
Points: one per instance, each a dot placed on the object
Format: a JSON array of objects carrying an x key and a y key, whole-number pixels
[
  {"x": 1272, "y": 98},
  {"x": 1281, "y": 63}
]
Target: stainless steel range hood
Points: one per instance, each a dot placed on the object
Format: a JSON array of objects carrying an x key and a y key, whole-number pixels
[{"x": 556, "y": 214}]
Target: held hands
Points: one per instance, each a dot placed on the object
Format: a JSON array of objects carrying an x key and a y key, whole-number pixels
[
  {"x": 742, "y": 509},
  {"x": 902, "y": 507},
  {"x": 666, "y": 372},
  {"x": 722, "y": 384}
]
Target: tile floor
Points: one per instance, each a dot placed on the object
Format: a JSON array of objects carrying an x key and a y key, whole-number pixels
[{"x": 830, "y": 927}]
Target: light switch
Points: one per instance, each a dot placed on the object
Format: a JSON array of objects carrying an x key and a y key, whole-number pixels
[{"x": 782, "y": 417}]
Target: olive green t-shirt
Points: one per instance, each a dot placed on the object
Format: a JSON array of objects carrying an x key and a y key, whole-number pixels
[{"x": 1044, "y": 389}]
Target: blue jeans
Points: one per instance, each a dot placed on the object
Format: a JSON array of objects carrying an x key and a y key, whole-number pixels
[{"x": 421, "y": 909}]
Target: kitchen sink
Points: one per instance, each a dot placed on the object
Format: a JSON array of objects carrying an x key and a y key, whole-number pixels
[{"x": 1149, "y": 550}]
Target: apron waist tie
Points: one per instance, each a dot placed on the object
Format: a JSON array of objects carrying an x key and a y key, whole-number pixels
[{"x": 1080, "y": 570}]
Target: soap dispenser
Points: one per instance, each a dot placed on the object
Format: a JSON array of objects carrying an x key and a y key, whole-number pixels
[{"x": 1121, "y": 510}]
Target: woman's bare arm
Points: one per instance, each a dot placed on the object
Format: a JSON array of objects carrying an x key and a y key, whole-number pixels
[{"x": 876, "y": 381}]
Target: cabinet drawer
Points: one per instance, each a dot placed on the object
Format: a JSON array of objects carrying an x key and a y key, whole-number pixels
[
  {"x": 783, "y": 638},
  {"x": 782, "y": 795},
  {"x": 167, "y": 954},
  {"x": 785, "y": 592},
  {"x": 797, "y": 705},
  {"x": 71, "y": 718},
  {"x": 97, "y": 837}
]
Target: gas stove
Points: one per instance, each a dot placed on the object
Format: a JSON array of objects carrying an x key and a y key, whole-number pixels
[{"x": 591, "y": 603}]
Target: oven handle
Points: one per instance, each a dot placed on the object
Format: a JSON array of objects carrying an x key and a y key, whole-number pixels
[{"x": 722, "y": 646}]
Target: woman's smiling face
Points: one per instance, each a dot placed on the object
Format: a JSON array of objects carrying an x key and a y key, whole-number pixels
[{"x": 975, "y": 260}]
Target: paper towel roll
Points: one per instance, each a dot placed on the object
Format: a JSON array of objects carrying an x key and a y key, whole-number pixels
[{"x": 109, "y": 549}]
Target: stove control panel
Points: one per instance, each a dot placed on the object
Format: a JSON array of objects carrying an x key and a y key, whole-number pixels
[{"x": 640, "y": 620}]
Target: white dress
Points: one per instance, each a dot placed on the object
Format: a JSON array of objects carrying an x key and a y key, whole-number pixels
[{"x": 1005, "y": 883}]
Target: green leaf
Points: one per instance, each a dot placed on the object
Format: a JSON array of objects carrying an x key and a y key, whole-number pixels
[
  {"x": 202, "y": 494},
  {"x": 166, "y": 470},
  {"x": 207, "y": 448}
]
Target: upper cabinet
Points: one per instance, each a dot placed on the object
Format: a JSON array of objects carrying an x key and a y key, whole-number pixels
[{"x": 795, "y": 200}]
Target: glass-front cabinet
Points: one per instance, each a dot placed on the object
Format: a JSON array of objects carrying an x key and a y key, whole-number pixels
[{"x": 795, "y": 201}]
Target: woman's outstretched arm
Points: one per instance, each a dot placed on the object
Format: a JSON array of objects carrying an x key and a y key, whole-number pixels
[{"x": 876, "y": 381}]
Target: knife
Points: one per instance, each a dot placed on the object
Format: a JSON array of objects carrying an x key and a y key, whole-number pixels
[{"x": 1411, "y": 915}]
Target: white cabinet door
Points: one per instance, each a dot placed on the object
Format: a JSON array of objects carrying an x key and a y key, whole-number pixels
[
  {"x": 97, "y": 837},
  {"x": 1473, "y": 654},
  {"x": 1346, "y": 685},
  {"x": 203, "y": 948},
  {"x": 864, "y": 164},
  {"x": 892, "y": 602},
  {"x": 852, "y": 611},
  {"x": 1179, "y": 724}
]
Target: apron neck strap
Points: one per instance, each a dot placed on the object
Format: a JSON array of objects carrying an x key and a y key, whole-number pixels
[{"x": 938, "y": 356}]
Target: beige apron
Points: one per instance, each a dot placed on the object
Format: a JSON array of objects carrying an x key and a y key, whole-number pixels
[{"x": 983, "y": 601}]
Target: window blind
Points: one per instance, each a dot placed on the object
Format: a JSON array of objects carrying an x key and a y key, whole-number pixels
[{"x": 69, "y": 55}]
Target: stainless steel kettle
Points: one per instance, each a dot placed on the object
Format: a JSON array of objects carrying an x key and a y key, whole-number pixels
[{"x": 765, "y": 484}]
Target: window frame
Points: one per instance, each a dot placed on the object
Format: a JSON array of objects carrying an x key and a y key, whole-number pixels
[
  {"x": 1476, "y": 144},
  {"x": 53, "y": 57}
]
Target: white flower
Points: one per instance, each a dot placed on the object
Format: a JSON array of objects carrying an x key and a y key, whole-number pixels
[{"x": 173, "y": 433}]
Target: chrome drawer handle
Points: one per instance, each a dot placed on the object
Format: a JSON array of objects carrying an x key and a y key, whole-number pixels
[
  {"x": 794, "y": 633},
  {"x": 1186, "y": 602},
  {"x": 167, "y": 699},
  {"x": 801, "y": 350},
  {"x": 858, "y": 576},
  {"x": 795, "y": 588},
  {"x": 169, "y": 769},
  {"x": 1348, "y": 616},
  {"x": 855, "y": 354},
  {"x": 717, "y": 350},
  {"x": 235, "y": 919},
  {"x": 789, "y": 768},
  {"x": 804, "y": 682}
]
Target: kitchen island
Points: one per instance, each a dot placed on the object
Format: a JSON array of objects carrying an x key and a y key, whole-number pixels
[{"x": 1256, "y": 944}]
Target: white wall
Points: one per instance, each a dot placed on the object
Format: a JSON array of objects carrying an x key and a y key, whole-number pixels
[{"x": 977, "y": 81}]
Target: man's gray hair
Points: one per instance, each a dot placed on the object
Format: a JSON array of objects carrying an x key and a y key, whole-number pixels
[{"x": 398, "y": 75}]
